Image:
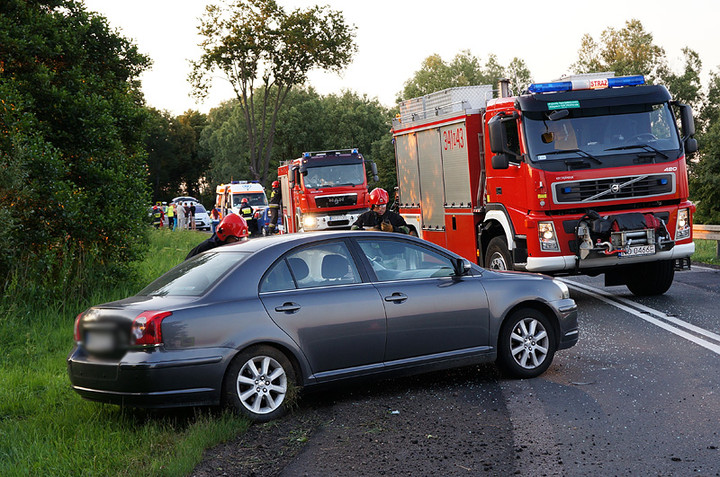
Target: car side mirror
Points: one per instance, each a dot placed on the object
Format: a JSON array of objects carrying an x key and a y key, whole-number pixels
[
  {"x": 691, "y": 145},
  {"x": 461, "y": 267},
  {"x": 374, "y": 169}
]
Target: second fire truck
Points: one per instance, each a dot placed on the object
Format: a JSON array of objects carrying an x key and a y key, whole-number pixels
[{"x": 324, "y": 190}]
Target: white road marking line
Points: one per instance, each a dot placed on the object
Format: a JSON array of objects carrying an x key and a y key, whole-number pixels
[{"x": 643, "y": 312}]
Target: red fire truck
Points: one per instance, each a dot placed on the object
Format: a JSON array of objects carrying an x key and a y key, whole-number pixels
[
  {"x": 324, "y": 190},
  {"x": 585, "y": 175}
]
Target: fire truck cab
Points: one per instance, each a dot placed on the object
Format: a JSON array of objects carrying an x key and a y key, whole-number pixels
[{"x": 324, "y": 190}]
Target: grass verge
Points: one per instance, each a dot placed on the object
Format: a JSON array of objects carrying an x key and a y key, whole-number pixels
[
  {"x": 706, "y": 252},
  {"x": 47, "y": 429}
]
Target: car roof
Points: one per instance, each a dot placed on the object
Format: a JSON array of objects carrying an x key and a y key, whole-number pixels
[{"x": 288, "y": 241}]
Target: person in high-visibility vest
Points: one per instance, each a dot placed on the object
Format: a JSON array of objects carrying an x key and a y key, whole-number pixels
[
  {"x": 247, "y": 212},
  {"x": 274, "y": 209}
]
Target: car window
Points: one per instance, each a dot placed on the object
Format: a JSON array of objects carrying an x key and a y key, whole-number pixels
[
  {"x": 199, "y": 209},
  {"x": 396, "y": 260},
  {"x": 327, "y": 264},
  {"x": 195, "y": 276}
]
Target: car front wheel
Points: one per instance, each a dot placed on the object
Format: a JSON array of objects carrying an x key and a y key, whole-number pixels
[
  {"x": 527, "y": 344},
  {"x": 259, "y": 383}
]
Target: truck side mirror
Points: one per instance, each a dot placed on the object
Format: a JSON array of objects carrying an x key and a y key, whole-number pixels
[
  {"x": 688, "y": 128},
  {"x": 499, "y": 140},
  {"x": 686, "y": 120},
  {"x": 374, "y": 169},
  {"x": 498, "y": 136},
  {"x": 500, "y": 161}
]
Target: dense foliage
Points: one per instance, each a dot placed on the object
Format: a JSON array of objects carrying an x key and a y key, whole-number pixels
[{"x": 72, "y": 169}]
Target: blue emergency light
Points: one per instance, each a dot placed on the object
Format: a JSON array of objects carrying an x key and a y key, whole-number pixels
[{"x": 576, "y": 85}]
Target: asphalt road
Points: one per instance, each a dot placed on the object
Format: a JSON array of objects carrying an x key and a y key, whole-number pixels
[{"x": 638, "y": 395}]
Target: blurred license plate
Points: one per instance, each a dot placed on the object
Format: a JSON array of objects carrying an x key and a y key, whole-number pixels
[
  {"x": 639, "y": 250},
  {"x": 99, "y": 341}
]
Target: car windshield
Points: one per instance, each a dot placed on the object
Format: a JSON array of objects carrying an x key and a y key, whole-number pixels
[
  {"x": 255, "y": 199},
  {"x": 334, "y": 176},
  {"x": 199, "y": 209},
  {"x": 596, "y": 132},
  {"x": 195, "y": 276}
]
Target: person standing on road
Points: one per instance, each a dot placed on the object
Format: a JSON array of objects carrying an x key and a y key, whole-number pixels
[
  {"x": 214, "y": 218},
  {"x": 192, "y": 216},
  {"x": 232, "y": 228},
  {"x": 171, "y": 216},
  {"x": 180, "y": 216},
  {"x": 379, "y": 217},
  {"x": 275, "y": 204},
  {"x": 247, "y": 212}
]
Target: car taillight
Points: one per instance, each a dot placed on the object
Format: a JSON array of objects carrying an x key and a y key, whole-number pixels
[
  {"x": 76, "y": 334},
  {"x": 147, "y": 328}
]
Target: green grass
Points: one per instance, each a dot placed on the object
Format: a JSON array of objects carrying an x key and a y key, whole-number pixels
[
  {"x": 706, "y": 252},
  {"x": 47, "y": 429}
]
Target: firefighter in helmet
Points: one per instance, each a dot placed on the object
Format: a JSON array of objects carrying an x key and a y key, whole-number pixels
[
  {"x": 232, "y": 228},
  {"x": 275, "y": 204},
  {"x": 247, "y": 212},
  {"x": 379, "y": 217}
]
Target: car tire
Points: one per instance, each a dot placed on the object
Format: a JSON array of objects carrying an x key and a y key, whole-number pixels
[
  {"x": 527, "y": 344},
  {"x": 260, "y": 383},
  {"x": 653, "y": 278},
  {"x": 497, "y": 256}
]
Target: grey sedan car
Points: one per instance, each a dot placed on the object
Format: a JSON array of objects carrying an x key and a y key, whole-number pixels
[{"x": 248, "y": 323}]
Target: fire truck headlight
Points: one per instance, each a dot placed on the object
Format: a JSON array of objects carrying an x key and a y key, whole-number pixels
[
  {"x": 548, "y": 239},
  {"x": 682, "y": 230},
  {"x": 309, "y": 222}
]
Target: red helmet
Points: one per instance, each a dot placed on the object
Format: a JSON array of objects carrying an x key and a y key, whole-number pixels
[
  {"x": 232, "y": 226},
  {"x": 379, "y": 196},
  {"x": 244, "y": 200},
  {"x": 275, "y": 184}
]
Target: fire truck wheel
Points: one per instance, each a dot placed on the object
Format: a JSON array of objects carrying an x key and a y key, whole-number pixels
[
  {"x": 497, "y": 256},
  {"x": 652, "y": 278},
  {"x": 527, "y": 344}
]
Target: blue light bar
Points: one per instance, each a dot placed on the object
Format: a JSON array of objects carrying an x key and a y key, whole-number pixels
[
  {"x": 626, "y": 81},
  {"x": 306, "y": 154},
  {"x": 579, "y": 84},
  {"x": 550, "y": 87}
]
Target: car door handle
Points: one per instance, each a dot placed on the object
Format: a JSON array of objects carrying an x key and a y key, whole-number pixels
[
  {"x": 288, "y": 307},
  {"x": 396, "y": 297}
]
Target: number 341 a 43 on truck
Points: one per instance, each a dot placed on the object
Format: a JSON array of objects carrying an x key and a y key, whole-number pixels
[{"x": 586, "y": 175}]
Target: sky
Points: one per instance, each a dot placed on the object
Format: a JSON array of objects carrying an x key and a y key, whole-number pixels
[{"x": 395, "y": 36}]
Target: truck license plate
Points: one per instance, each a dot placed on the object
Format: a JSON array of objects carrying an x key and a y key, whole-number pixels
[
  {"x": 98, "y": 341},
  {"x": 639, "y": 250}
]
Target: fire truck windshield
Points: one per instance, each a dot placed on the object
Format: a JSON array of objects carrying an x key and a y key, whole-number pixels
[
  {"x": 628, "y": 130},
  {"x": 334, "y": 176}
]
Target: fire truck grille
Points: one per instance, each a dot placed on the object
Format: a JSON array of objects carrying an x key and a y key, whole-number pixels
[
  {"x": 618, "y": 188},
  {"x": 328, "y": 201}
]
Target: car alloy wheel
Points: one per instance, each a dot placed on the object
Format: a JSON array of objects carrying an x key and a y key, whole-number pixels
[
  {"x": 527, "y": 343},
  {"x": 259, "y": 382}
]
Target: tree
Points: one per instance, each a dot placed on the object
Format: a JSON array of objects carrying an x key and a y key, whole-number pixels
[
  {"x": 629, "y": 51},
  {"x": 705, "y": 172},
  {"x": 464, "y": 70},
  {"x": 310, "y": 122},
  {"x": 257, "y": 43},
  {"x": 72, "y": 169}
]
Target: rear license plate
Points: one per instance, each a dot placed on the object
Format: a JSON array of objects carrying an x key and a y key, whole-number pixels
[
  {"x": 99, "y": 341},
  {"x": 639, "y": 250}
]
